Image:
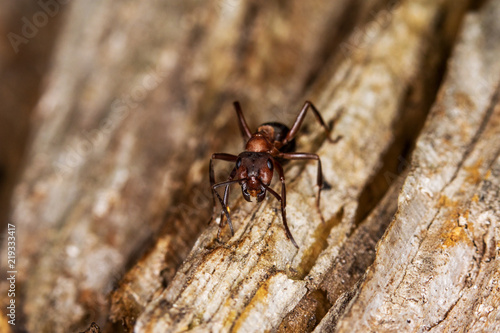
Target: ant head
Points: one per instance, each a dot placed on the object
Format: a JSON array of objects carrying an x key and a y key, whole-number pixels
[{"x": 256, "y": 172}]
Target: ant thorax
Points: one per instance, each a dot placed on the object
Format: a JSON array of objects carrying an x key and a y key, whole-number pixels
[{"x": 259, "y": 143}]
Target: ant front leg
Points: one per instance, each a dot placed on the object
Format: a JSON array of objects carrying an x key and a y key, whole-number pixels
[
  {"x": 300, "y": 118},
  {"x": 224, "y": 205},
  {"x": 282, "y": 200},
  {"x": 308, "y": 156},
  {"x": 224, "y": 157}
]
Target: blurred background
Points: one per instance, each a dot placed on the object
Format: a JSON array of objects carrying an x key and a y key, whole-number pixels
[{"x": 22, "y": 66}]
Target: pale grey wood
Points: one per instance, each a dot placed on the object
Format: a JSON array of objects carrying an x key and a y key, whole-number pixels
[{"x": 437, "y": 263}]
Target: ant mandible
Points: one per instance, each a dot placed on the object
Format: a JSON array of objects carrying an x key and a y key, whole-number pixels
[{"x": 254, "y": 167}]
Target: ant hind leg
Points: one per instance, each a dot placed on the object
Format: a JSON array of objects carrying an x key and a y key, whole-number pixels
[{"x": 300, "y": 118}]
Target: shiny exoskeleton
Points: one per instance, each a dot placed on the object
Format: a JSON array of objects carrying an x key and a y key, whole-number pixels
[{"x": 271, "y": 143}]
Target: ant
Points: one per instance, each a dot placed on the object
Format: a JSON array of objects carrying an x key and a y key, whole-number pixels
[{"x": 271, "y": 145}]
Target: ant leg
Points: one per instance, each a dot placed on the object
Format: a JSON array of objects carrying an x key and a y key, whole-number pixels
[
  {"x": 282, "y": 200},
  {"x": 224, "y": 208},
  {"x": 300, "y": 118},
  {"x": 245, "y": 131},
  {"x": 226, "y": 195},
  {"x": 217, "y": 156},
  {"x": 308, "y": 156}
]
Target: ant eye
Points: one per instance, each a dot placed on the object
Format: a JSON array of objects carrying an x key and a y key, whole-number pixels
[
  {"x": 270, "y": 164},
  {"x": 238, "y": 162}
]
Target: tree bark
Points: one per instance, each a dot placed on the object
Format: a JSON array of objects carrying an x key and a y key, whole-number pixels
[
  {"x": 437, "y": 265},
  {"x": 112, "y": 208},
  {"x": 257, "y": 276}
]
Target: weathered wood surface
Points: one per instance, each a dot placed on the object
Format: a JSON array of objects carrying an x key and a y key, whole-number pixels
[
  {"x": 142, "y": 282},
  {"x": 109, "y": 186},
  {"x": 257, "y": 276},
  {"x": 437, "y": 267}
]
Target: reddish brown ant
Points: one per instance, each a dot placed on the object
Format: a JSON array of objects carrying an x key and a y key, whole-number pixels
[{"x": 265, "y": 149}]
